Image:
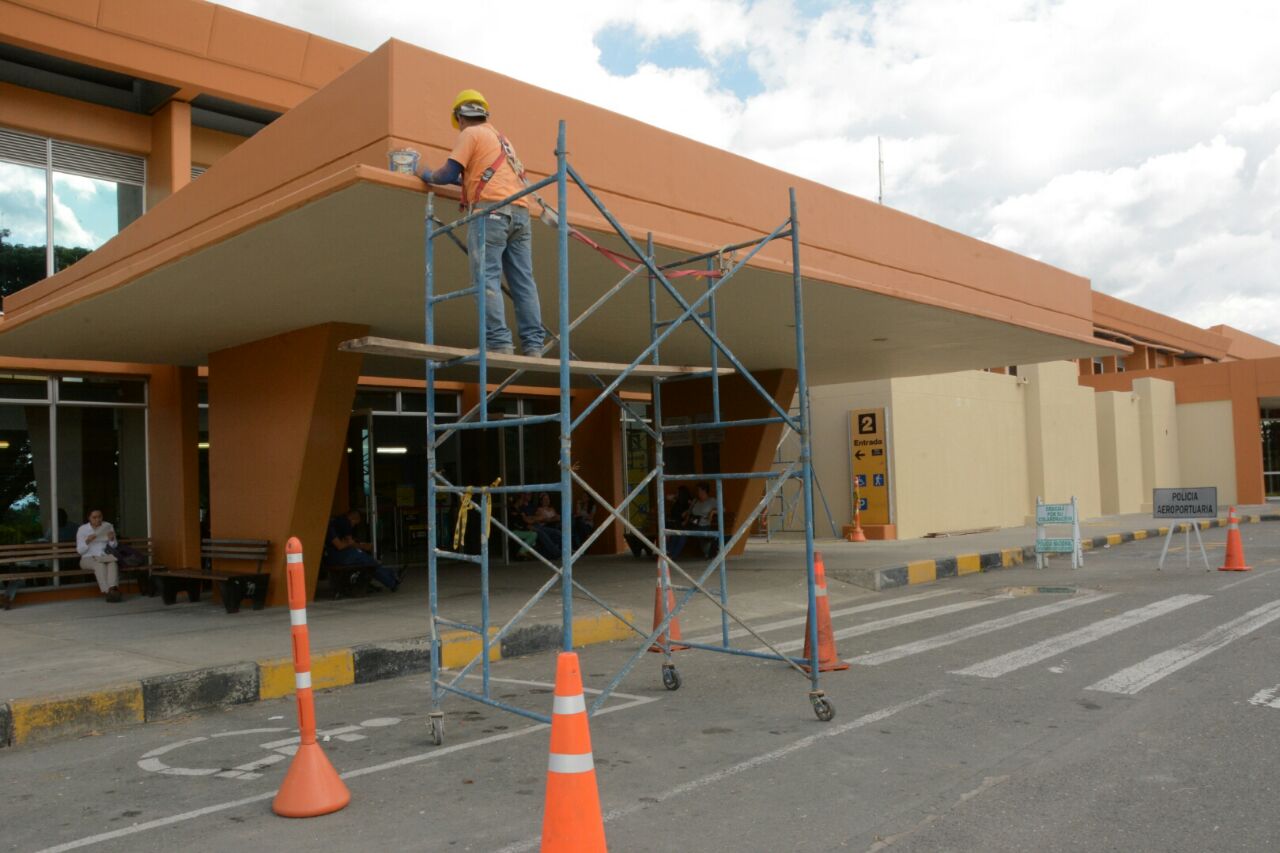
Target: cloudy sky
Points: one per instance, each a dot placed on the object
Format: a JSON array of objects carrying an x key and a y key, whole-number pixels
[{"x": 1131, "y": 141}]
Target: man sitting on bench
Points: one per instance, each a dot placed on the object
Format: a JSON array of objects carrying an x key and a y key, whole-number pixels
[{"x": 343, "y": 551}]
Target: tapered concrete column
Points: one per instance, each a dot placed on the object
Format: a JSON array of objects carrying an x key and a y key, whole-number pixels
[
  {"x": 278, "y": 414},
  {"x": 173, "y": 466},
  {"x": 169, "y": 166}
]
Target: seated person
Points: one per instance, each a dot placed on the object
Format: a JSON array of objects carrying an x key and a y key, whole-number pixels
[
  {"x": 702, "y": 514},
  {"x": 343, "y": 551},
  {"x": 518, "y": 506},
  {"x": 584, "y": 520},
  {"x": 544, "y": 521},
  {"x": 678, "y": 519}
]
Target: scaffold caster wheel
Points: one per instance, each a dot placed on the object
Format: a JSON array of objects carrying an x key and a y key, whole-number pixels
[
  {"x": 670, "y": 678},
  {"x": 437, "y": 729},
  {"x": 823, "y": 708}
]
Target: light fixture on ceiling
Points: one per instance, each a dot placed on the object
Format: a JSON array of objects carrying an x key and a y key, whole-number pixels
[{"x": 395, "y": 451}]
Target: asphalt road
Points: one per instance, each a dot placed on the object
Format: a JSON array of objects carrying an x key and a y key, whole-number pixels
[{"x": 1140, "y": 712}]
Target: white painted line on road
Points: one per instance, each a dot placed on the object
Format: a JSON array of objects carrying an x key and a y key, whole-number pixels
[
  {"x": 893, "y": 622},
  {"x": 744, "y": 766},
  {"x": 1248, "y": 579},
  {"x": 1141, "y": 675},
  {"x": 835, "y": 614},
  {"x": 440, "y": 752},
  {"x": 1267, "y": 698},
  {"x": 960, "y": 634},
  {"x": 1017, "y": 659}
]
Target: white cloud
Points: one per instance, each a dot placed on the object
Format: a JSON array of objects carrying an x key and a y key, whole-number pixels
[{"x": 1135, "y": 143}]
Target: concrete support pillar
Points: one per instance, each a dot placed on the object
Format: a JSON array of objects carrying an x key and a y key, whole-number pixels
[
  {"x": 1246, "y": 413},
  {"x": 597, "y": 448},
  {"x": 1158, "y": 422},
  {"x": 1119, "y": 452},
  {"x": 169, "y": 166},
  {"x": 173, "y": 465},
  {"x": 278, "y": 415}
]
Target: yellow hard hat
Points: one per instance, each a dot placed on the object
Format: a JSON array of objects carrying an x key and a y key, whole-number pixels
[{"x": 480, "y": 107}]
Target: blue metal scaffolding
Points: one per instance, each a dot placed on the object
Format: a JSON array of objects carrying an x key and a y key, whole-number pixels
[{"x": 717, "y": 270}]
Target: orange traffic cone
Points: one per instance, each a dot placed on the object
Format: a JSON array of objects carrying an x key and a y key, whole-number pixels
[
  {"x": 670, "y": 638},
  {"x": 571, "y": 819},
  {"x": 828, "y": 659},
  {"x": 311, "y": 787},
  {"x": 1234, "y": 561}
]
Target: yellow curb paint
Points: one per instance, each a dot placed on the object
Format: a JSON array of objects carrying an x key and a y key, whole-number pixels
[
  {"x": 48, "y": 717},
  {"x": 967, "y": 564},
  {"x": 1163, "y": 530},
  {"x": 1114, "y": 539},
  {"x": 1204, "y": 525},
  {"x": 1011, "y": 557},
  {"x": 329, "y": 669},
  {"x": 603, "y": 628},
  {"x": 922, "y": 571},
  {"x": 457, "y": 648},
  {"x": 1139, "y": 534},
  {"x": 1086, "y": 544}
]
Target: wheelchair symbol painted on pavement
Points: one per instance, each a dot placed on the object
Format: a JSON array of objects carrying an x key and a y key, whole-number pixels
[{"x": 277, "y": 750}]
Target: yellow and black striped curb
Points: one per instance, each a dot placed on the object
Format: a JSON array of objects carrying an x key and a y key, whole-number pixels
[
  {"x": 928, "y": 571},
  {"x": 162, "y": 697}
]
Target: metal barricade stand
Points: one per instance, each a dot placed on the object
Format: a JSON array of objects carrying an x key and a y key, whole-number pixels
[{"x": 718, "y": 268}]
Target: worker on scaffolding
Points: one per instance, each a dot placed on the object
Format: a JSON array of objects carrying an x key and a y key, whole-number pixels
[{"x": 484, "y": 163}]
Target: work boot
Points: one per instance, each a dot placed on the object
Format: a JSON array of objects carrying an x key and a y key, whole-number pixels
[
  {"x": 113, "y": 595},
  {"x": 507, "y": 350},
  {"x": 533, "y": 352}
]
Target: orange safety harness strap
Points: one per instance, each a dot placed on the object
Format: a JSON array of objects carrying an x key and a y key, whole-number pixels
[{"x": 508, "y": 156}]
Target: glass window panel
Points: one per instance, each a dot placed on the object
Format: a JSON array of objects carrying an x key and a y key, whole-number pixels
[
  {"x": 88, "y": 212},
  {"x": 23, "y": 227},
  {"x": 416, "y": 401},
  {"x": 24, "y": 477},
  {"x": 101, "y": 389},
  {"x": 101, "y": 464},
  {"x": 376, "y": 400},
  {"x": 14, "y": 386}
]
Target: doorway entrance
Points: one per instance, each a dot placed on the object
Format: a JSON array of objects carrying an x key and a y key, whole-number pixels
[{"x": 1271, "y": 453}]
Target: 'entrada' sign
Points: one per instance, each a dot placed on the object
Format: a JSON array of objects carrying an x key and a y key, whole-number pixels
[{"x": 1186, "y": 502}]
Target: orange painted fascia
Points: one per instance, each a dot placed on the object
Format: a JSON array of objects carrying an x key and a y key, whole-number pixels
[
  {"x": 334, "y": 139},
  {"x": 210, "y": 146},
  {"x": 74, "y": 121},
  {"x": 1127, "y": 318},
  {"x": 57, "y": 366},
  {"x": 173, "y": 42},
  {"x": 1243, "y": 345}
]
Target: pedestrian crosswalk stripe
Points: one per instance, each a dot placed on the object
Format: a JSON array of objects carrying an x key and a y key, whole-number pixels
[
  {"x": 893, "y": 622},
  {"x": 1148, "y": 672},
  {"x": 793, "y": 621},
  {"x": 1017, "y": 659},
  {"x": 956, "y": 636}
]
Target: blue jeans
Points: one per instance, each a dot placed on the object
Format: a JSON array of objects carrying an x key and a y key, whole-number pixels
[
  {"x": 355, "y": 558},
  {"x": 508, "y": 249}
]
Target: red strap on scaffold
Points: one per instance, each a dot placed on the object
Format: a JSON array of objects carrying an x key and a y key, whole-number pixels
[{"x": 622, "y": 261}]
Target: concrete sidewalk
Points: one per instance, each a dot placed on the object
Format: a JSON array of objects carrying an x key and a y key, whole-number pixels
[{"x": 75, "y": 667}]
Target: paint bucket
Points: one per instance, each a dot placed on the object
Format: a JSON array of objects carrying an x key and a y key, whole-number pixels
[{"x": 404, "y": 160}]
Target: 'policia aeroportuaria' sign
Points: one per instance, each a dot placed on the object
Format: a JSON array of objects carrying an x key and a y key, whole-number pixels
[{"x": 1186, "y": 502}]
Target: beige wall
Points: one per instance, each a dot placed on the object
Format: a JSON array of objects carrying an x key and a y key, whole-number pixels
[
  {"x": 1158, "y": 418},
  {"x": 829, "y": 408},
  {"x": 959, "y": 452},
  {"x": 1119, "y": 452},
  {"x": 1206, "y": 447},
  {"x": 1062, "y": 437}
]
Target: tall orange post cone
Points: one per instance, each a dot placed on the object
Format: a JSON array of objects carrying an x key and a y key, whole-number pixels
[
  {"x": 664, "y": 601},
  {"x": 571, "y": 819},
  {"x": 828, "y": 658},
  {"x": 1234, "y": 561},
  {"x": 311, "y": 787}
]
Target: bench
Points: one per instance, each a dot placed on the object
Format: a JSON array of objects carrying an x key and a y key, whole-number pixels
[
  {"x": 643, "y": 551},
  {"x": 350, "y": 581},
  {"x": 24, "y": 555},
  {"x": 234, "y": 586}
]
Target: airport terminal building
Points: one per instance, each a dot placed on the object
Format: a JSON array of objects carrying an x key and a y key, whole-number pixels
[{"x": 196, "y": 210}]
